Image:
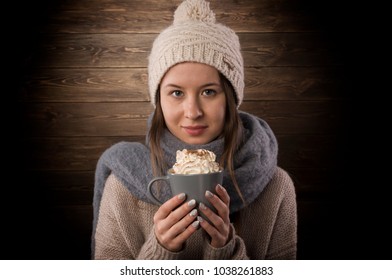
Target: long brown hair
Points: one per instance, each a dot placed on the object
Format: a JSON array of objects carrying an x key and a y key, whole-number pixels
[{"x": 232, "y": 133}]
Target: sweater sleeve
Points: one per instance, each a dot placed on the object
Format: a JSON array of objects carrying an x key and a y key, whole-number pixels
[
  {"x": 124, "y": 229},
  {"x": 235, "y": 249},
  {"x": 269, "y": 225},
  {"x": 152, "y": 250},
  {"x": 283, "y": 243}
]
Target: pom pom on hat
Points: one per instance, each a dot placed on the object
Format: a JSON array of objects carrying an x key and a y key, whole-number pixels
[
  {"x": 194, "y": 10},
  {"x": 195, "y": 36}
]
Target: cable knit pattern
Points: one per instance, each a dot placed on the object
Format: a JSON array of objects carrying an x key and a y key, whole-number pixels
[
  {"x": 266, "y": 229},
  {"x": 194, "y": 36}
]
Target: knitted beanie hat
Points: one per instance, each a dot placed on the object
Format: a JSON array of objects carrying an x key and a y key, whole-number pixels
[{"x": 195, "y": 36}]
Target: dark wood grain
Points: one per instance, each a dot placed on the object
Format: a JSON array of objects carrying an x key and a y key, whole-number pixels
[
  {"x": 85, "y": 85},
  {"x": 130, "y": 118},
  {"x": 152, "y": 16},
  {"x": 130, "y": 84},
  {"x": 131, "y": 50}
]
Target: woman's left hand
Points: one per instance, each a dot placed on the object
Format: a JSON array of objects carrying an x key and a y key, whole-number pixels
[{"x": 219, "y": 227}]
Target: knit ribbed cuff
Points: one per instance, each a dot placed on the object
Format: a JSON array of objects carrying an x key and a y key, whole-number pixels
[
  {"x": 152, "y": 250},
  {"x": 224, "y": 252}
]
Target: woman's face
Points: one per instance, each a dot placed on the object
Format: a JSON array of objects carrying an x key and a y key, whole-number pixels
[{"x": 193, "y": 102}]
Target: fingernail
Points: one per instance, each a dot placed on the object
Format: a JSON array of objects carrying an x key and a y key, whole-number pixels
[
  {"x": 221, "y": 187},
  {"x": 193, "y": 213},
  {"x": 202, "y": 206},
  {"x": 195, "y": 224},
  {"x": 200, "y": 219},
  {"x": 209, "y": 194},
  {"x": 192, "y": 202},
  {"x": 181, "y": 196}
]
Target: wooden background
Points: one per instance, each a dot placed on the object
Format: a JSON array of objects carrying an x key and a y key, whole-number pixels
[{"x": 79, "y": 71}]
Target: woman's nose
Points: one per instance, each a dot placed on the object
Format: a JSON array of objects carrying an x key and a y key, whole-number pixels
[{"x": 192, "y": 109}]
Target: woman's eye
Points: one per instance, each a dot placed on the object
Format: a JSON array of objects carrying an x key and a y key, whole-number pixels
[
  {"x": 177, "y": 93},
  {"x": 209, "y": 92}
]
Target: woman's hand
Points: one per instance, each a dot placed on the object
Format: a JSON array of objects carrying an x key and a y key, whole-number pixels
[
  {"x": 174, "y": 223},
  {"x": 219, "y": 228}
]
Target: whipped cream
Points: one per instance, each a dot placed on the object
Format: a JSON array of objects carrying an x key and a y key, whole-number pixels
[{"x": 198, "y": 161}]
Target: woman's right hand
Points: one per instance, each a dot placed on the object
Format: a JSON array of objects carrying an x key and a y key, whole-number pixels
[{"x": 175, "y": 223}]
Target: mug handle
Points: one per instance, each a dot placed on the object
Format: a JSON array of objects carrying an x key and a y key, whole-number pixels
[{"x": 149, "y": 188}]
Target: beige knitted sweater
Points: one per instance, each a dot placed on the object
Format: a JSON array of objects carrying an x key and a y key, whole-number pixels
[{"x": 265, "y": 229}]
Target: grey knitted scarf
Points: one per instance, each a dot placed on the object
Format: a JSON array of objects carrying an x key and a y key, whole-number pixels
[{"x": 254, "y": 164}]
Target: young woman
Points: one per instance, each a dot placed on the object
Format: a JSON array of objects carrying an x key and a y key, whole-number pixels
[{"x": 196, "y": 83}]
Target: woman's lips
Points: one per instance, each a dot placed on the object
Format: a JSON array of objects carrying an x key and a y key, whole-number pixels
[{"x": 195, "y": 130}]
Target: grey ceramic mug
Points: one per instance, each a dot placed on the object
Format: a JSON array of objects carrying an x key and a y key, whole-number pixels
[{"x": 193, "y": 185}]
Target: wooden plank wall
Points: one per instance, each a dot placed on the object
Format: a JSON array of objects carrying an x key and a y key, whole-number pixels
[{"x": 82, "y": 86}]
